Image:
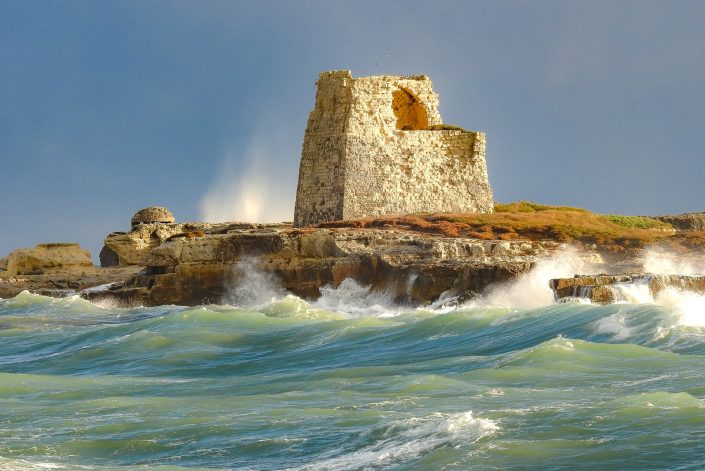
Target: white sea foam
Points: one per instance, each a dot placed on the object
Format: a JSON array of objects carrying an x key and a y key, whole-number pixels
[
  {"x": 354, "y": 299},
  {"x": 531, "y": 290},
  {"x": 616, "y": 324},
  {"x": 253, "y": 286},
  {"x": 24, "y": 465},
  {"x": 688, "y": 307},
  {"x": 637, "y": 292},
  {"x": 407, "y": 439}
]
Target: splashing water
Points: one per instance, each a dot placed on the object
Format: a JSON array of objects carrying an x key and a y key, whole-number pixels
[
  {"x": 665, "y": 262},
  {"x": 252, "y": 286},
  {"x": 531, "y": 290},
  {"x": 249, "y": 187},
  {"x": 688, "y": 307}
]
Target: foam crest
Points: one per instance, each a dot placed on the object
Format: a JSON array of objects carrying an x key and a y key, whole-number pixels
[
  {"x": 24, "y": 465},
  {"x": 685, "y": 307},
  {"x": 616, "y": 325},
  {"x": 294, "y": 307},
  {"x": 356, "y": 300},
  {"x": 407, "y": 439},
  {"x": 25, "y": 299}
]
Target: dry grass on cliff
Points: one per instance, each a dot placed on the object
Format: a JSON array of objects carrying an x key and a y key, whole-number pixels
[{"x": 527, "y": 220}]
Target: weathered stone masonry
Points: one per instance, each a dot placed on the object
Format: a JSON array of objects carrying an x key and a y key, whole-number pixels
[{"x": 377, "y": 145}]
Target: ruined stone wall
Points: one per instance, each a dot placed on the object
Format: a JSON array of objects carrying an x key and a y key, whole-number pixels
[
  {"x": 375, "y": 145},
  {"x": 319, "y": 195},
  {"x": 423, "y": 171}
]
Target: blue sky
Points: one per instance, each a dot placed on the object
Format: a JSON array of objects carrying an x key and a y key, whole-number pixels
[{"x": 107, "y": 107}]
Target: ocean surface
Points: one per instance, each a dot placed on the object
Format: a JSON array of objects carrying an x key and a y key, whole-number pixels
[{"x": 352, "y": 381}]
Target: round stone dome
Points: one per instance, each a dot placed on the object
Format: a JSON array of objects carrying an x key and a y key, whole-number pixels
[{"x": 152, "y": 215}]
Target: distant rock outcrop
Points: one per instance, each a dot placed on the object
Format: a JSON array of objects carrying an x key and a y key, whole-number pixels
[
  {"x": 685, "y": 222},
  {"x": 57, "y": 269},
  {"x": 64, "y": 257},
  {"x": 606, "y": 289}
]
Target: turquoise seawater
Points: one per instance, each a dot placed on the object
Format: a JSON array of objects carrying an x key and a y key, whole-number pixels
[{"x": 297, "y": 385}]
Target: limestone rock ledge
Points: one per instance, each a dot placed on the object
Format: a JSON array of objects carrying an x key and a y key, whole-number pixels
[
  {"x": 55, "y": 269},
  {"x": 605, "y": 289},
  {"x": 189, "y": 265}
]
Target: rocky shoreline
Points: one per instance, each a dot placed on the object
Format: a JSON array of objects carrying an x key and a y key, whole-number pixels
[
  {"x": 197, "y": 264},
  {"x": 606, "y": 289},
  {"x": 164, "y": 262}
]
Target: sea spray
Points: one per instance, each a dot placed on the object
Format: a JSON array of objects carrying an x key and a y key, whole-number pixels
[
  {"x": 666, "y": 262},
  {"x": 688, "y": 307},
  {"x": 249, "y": 186},
  {"x": 354, "y": 299},
  {"x": 531, "y": 289},
  {"x": 250, "y": 285}
]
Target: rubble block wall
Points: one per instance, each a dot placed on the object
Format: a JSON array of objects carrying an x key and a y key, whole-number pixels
[{"x": 321, "y": 178}]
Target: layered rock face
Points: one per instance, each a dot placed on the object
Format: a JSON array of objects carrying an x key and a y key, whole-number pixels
[
  {"x": 605, "y": 289},
  {"x": 409, "y": 267},
  {"x": 54, "y": 270},
  {"x": 62, "y": 257},
  {"x": 376, "y": 146},
  {"x": 129, "y": 248}
]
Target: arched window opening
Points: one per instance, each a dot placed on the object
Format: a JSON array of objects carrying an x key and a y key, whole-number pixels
[{"x": 411, "y": 115}]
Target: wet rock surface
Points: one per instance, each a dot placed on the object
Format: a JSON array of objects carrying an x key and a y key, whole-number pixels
[
  {"x": 409, "y": 267},
  {"x": 605, "y": 289}
]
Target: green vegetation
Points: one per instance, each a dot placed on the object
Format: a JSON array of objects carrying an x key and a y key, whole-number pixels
[
  {"x": 531, "y": 221},
  {"x": 638, "y": 222},
  {"x": 531, "y": 207}
]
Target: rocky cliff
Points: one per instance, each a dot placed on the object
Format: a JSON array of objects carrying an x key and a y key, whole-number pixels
[
  {"x": 54, "y": 269},
  {"x": 192, "y": 264}
]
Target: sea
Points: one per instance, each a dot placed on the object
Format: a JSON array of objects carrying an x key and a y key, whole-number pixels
[{"x": 352, "y": 381}]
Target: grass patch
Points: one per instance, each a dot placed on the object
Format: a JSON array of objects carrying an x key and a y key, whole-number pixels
[
  {"x": 638, "y": 222},
  {"x": 531, "y": 207}
]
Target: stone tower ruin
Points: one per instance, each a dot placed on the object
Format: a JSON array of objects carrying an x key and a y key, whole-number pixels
[{"x": 377, "y": 145}]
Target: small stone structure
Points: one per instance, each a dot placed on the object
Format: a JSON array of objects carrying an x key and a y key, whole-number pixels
[
  {"x": 152, "y": 215},
  {"x": 377, "y": 145}
]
